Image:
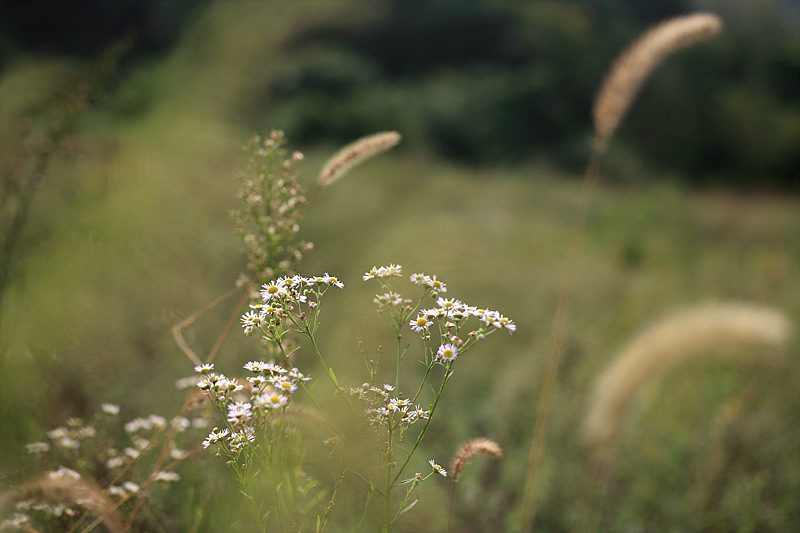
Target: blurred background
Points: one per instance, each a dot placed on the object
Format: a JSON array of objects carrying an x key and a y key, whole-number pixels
[{"x": 121, "y": 126}]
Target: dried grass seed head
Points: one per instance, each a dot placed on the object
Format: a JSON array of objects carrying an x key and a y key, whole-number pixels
[
  {"x": 752, "y": 332},
  {"x": 354, "y": 154},
  {"x": 475, "y": 447},
  {"x": 635, "y": 64}
]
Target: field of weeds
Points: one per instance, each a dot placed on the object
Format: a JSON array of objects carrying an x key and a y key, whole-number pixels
[{"x": 127, "y": 234}]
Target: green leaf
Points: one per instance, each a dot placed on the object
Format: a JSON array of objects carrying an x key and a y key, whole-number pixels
[
  {"x": 333, "y": 377},
  {"x": 404, "y": 511}
]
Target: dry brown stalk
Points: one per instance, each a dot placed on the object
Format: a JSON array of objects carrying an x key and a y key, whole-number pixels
[
  {"x": 66, "y": 490},
  {"x": 471, "y": 448},
  {"x": 354, "y": 154},
  {"x": 753, "y": 332},
  {"x": 637, "y": 62}
]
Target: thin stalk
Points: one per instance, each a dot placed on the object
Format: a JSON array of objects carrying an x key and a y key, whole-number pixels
[
  {"x": 447, "y": 375},
  {"x": 536, "y": 457}
]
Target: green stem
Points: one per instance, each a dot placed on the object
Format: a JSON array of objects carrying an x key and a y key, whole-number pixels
[{"x": 447, "y": 375}]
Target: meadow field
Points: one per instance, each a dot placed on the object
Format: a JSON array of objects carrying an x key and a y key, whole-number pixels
[{"x": 128, "y": 233}]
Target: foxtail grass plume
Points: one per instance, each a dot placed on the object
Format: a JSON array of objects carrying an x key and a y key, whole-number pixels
[
  {"x": 54, "y": 488},
  {"x": 471, "y": 448},
  {"x": 753, "y": 332},
  {"x": 637, "y": 62},
  {"x": 354, "y": 154}
]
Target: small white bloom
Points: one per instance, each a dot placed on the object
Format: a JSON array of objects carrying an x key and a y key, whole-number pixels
[
  {"x": 239, "y": 412},
  {"x": 110, "y": 409},
  {"x": 169, "y": 477},
  {"x": 115, "y": 462},
  {"x": 64, "y": 473},
  {"x": 271, "y": 400},
  {"x": 435, "y": 284},
  {"x": 37, "y": 447},
  {"x": 157, "y": 421},
  {"x": 69, "y": 443},
  {"x": 58, "y": 433},
  {"x": 214, "y": 436},
  {"x": 447, "y": 352},
  {"x": 180, "y": 423},
  {"x": 371, "y": 274},
  {"x": 420, "y": 324},
  {"x": 204, "y": 368},
  {"x": 274, "y": 290},
  {"x": 438, "y": 469},
  {"x": 418, "y": 279}
]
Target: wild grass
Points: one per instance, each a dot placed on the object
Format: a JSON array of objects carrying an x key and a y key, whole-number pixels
[{"x": 124, "y": 244}]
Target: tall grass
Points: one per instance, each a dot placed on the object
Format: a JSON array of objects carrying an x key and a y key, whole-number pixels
[{"x": 495, "y": 232}]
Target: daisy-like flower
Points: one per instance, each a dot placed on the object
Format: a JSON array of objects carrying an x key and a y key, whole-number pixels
[
  {"x": 450, "y": 305},
  {"x": 240, "y": 438},
  {"x": 371, "y": 274},
  {"x": 115, "y": 462},
  {"x": 204, "y": 369},
  {"x": 420, "y": 324},
  {"x": 271, "y": 400},
  {"x": 157, "y": 420},
  {"x": 110, "y": 409},
  {"x": 390, "y": 298},
  {"x": 296, "y": 375},
  {"x": 504, "y": 322},
  {"x": 130, "y": 486},
  {"x": 493, "y": 318},
  {"x": 64, "y": 473},
  {"x": 435, "y": 284},
  {"x": 256, "y": 366},
  {"x": 284, "y": 385},
  {"x": 215, "y": 436},
  {"x": 418, "y": 279},
  {"x": 37, "y": 447},
  {"x": 438, "y": 469},
  {"x": 257, "y": 381},
  {"x": 391, "y": 270},
  {"x": 169, "y": 477},
  {"x": 252, "y": 320},
  {"x": 180, "y": 423},
  {"x": 327, "y": 279},
  {"x": 447, "y": 352},
  {"x": 274, "y": 290},
  {"x": 239, "y": 413}
]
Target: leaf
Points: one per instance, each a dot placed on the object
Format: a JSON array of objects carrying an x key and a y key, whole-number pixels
[
  {"x": 406, "y": 481},
  {"x": 333, "y": 377},
  {"x": 404, "y": 511}
]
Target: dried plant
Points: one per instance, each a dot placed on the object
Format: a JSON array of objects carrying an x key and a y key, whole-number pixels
[
  {"x": 475, "y": 447},
  {"x": 471, "y": 448},
  {"x": 728, "y": 329},
  {"x": 614, "y": 98},
  {"x": 635, "y": 64},
  {"x": 61, "y": 489},
  {"x": 354, "y": 154}
]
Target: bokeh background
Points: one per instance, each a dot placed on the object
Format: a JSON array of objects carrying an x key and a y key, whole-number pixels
[{"x": 121, "y": 126}]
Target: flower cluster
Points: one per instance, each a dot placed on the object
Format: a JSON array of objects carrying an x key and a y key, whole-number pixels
[
  {"x": 385, "y": 409},
  {"x": 96, "y": 449},
  {"x": 455, "y": 311},
  {"x": 282, "y": 300},
  {"x": 271, "y": 387},
  {"x": 383, "y": 272},
  {"x": 446, "y": 319}
]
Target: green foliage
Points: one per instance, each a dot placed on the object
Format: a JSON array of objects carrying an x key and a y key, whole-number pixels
[{"x": 131, "y": 235}]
